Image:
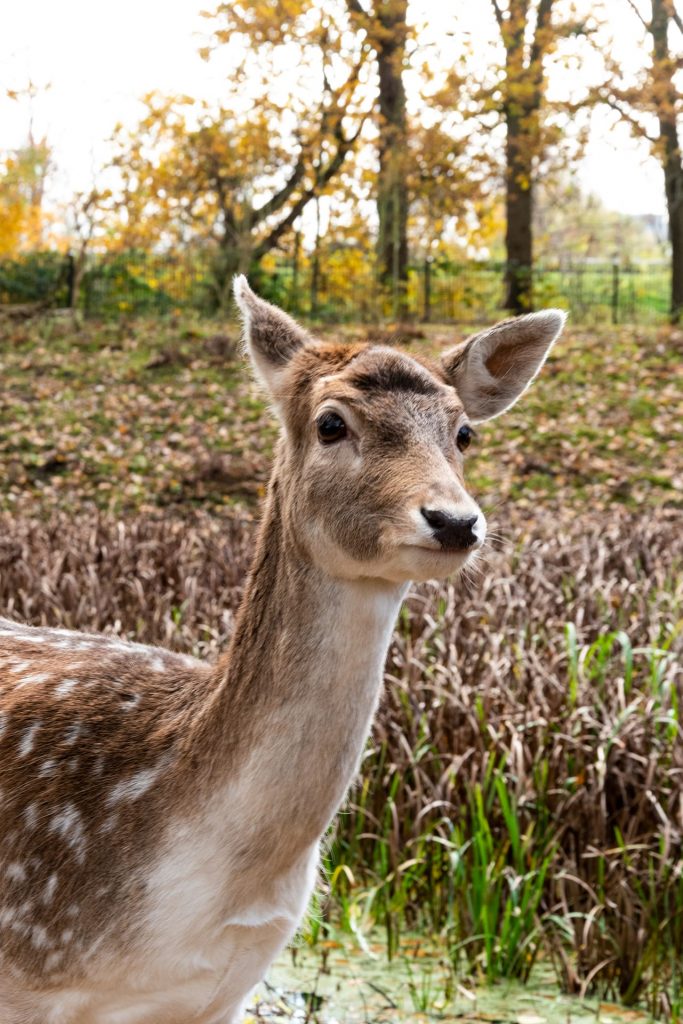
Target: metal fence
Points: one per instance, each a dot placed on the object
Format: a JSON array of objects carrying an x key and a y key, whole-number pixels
[{"x": 343, "y": 286}]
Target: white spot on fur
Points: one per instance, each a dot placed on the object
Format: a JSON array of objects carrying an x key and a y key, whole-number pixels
[
  {"x": 134, "y": 787},
  {"x": 39, "y": 939},
  {"x": 68, "y": 824},
  {"x": 50, "y": 888},
  {"x": 157, "y": 665},
  {"x": 67, "y": 935},
  {"x": 53, "y": 960},
  {"x": 21, "y": 666},
  {"x": 65, "y": 687},
  {"x": 47, "y": 769},
  {"x": 16, "y": 872},
  {"x": 7, "y": 916},
  {"x": 27, "y": 740},
  {"x": 110, "y": 824},
  {"x": 34, "y": 680},
  {"x": 31, "y": 816},
  {"x": 72, "y": 734}
]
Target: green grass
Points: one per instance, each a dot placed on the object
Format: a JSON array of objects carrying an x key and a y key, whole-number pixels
[{"x": 488, "y": 871}]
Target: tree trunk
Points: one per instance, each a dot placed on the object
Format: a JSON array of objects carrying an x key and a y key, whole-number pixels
[
  {"x": 674, "y": 202},
  {"x": 230, "y": 259},
  {"x": 522, "y": 112},
  {"x": 663, "y": 71},
  {"x": 519, "y": 212},
  {"x": 315, "y": 263},
  {"x": 392, "y": 189}
]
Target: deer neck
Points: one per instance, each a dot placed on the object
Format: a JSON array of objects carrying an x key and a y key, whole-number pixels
[{"x": 297, "y": 690}]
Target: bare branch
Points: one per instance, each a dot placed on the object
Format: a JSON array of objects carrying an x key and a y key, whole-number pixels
[
  {"x": 545, "y": 9},
  {"x": 638, "y": 129},
  {"x": 323, "y": 175},
  {"x": 541, "y": 35},
  {"x": 331, "y": 120},
  {"x": 277, "y": 201},
  {"x": 676, "y": 18},
  {"x": 498, "y": 13},
  {"x": 646, "y": 24}
]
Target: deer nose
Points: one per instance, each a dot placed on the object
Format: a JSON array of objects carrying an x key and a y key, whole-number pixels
[{"x": 453, "y": 533}]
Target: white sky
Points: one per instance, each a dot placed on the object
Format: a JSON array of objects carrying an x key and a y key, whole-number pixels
[{"x": 99, "y": 58}]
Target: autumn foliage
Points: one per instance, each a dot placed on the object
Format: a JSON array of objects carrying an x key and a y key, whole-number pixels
[{"x": 359, "y": 126}]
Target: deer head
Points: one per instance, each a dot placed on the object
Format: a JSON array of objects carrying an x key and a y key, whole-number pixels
[{"x": 370, "y": 467}]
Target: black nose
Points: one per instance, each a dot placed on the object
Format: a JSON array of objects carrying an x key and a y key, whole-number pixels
[{"x": 452, "y": 533}]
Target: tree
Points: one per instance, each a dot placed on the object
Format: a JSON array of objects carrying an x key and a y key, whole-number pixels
[
  {"x": 239, "y": 174},
  {"x": 448, "y": 184},
  {"x": 23, "y": 176},
  {"x": 356, "y": 33},
  {"x": 220, "y": 178},
  {"x": 24, "y": 173},
  {"x": 528, "y": 35},
  {"x": 412, "y": 169},
  {"x": 651, "y": 105},
  {"x": 88, "y": 219},
  {"x": 522, "y": 99},
  {"x": 385, "y": 25},
  {"x": 499, "y": 89}
]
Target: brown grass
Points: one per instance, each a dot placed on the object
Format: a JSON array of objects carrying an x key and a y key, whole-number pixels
[
  {"x": 586, "y": 744},
  {"x": 490, "y": 696}
]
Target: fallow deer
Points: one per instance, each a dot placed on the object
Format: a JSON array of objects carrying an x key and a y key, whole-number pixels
[{"x": 161, "y": 817}]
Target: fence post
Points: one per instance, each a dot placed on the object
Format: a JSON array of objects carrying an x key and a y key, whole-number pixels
[
  {"x": 70, "y": 281},
  {"x": 427, "y": 290},
  {"x": 615, "y": 292}
]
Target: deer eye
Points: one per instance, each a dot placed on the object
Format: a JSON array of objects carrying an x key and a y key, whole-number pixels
[
  {"x": 465, "y": 435},
  {"x": 331, "y": 428}
]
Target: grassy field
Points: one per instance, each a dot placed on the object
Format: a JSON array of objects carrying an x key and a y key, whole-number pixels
[
  {"x": 520, "y": 803},
  {"x": 130, "y": 417}
]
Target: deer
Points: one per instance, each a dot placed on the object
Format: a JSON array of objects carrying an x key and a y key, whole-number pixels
[{"x": 162, "y": 816}]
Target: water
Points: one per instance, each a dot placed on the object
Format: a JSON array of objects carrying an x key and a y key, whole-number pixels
[{"x": 336, "y": 984}]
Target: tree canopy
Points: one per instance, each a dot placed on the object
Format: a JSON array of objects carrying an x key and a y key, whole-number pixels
[{"x": 347, "y": 126}]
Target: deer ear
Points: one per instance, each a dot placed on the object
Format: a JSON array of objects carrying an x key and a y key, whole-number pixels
[
  {"x": 271, "y": 337},
  {"x": 492, "y": 369}
]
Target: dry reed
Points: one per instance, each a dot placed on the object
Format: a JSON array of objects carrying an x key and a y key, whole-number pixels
[{"x": 523, "y": 791}]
